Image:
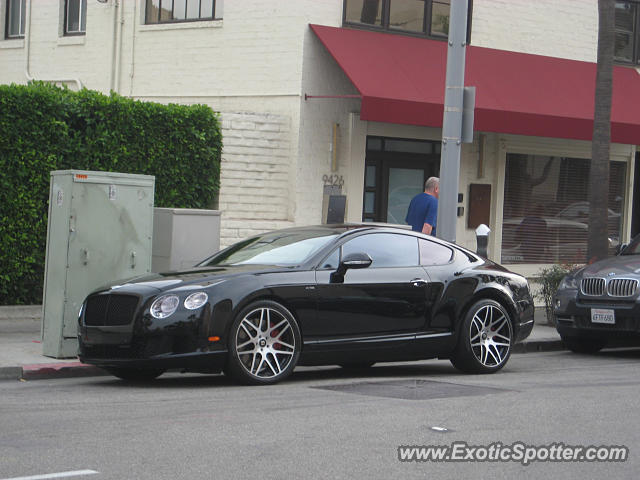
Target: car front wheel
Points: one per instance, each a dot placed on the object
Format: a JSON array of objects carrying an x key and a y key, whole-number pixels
[
  {"x": 264, "y": 344},
  {"x": 486, "y": 335}
]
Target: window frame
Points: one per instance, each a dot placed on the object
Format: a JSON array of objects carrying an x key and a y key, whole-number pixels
[
  {"x": 22, "y": 18},
  {"x": 65, "y": 26},
  {"x": 386, "y": 12},
  {"x": 216, "y": 6},
  {"x": 369, "y": 234}
]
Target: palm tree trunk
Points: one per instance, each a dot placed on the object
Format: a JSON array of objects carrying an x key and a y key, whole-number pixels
[{"x": 600, "y": 146}]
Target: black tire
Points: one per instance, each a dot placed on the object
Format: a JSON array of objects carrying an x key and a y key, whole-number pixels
[
  {"x": 135, "y": 374},
  {"x": 356, "y": 365},
  {"x": 264, "y": 344},
  {"x": 584, "y": 345},
  {"x": 485, "y": 338}
]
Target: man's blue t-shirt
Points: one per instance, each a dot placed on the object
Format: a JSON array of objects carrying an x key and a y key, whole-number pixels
[{"x": 422, "y": 209}]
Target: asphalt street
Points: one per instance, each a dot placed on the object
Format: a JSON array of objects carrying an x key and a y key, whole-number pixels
[{"x": 324, "y": 422}]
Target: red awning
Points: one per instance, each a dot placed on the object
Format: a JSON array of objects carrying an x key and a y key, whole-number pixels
[{"x": 401, "y": 80}]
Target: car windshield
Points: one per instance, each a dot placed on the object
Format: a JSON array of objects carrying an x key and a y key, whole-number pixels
[
  {"x": 633, "y": 248},
  {"x": 275, "y": 248}
]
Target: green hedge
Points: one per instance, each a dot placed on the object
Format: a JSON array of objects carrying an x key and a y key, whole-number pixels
[{"x": 45, "y": 128}]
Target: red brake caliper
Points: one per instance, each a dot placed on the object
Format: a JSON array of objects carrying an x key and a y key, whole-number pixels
[{"x": 274, "y": 334}]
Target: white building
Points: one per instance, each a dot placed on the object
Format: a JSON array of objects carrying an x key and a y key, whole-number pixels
[{"x": 344, "y": 97}]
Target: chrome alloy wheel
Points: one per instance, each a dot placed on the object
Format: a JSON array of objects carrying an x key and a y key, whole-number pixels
[
  {"x": 490, "y": 335},
  {"x": 265, "y": 343}
]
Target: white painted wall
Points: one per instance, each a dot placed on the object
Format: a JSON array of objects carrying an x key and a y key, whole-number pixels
[
  {"x": 556, "y": 28},
  {"x": 322, "y": 76}
]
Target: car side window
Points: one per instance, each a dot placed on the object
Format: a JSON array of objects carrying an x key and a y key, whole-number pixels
[
  {"x": 332, "y": 261},
  {"x": 385, "y": 249},
  {"x": 432, "y": 253}
]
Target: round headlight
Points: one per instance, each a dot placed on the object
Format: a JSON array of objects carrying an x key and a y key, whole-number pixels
[
  {"x": 196, "y": 300},
  {"x": 164, "y": 306}
]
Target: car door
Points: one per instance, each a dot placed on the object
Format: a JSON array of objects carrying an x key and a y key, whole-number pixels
[{"x": 388, "y": 297}]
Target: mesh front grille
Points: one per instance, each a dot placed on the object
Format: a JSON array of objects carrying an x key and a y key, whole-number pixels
[
  {"x": 593, "y": 286},
  {"x": 96, "y": 311},
  {"x": 622, "y": 287},
  {"x": 110, "y": 310}
]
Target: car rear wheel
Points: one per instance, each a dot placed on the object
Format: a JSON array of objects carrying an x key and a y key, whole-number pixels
[
  {"x": 584, "y": 345},
  {"x": 135, "y": 374},
  {"x": 486, "y": 335},
  {"x": 264, "y": 344}
]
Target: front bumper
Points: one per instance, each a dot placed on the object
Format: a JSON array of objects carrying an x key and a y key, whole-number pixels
[
  {"x": 573, "y": 317},
  {"x": 103, "y": 347},
  {"x": 187, "y": 341},
  {"x": 205, "y": 362}
]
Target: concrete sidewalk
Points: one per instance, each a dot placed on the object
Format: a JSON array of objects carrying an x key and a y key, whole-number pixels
[{"x": 21, "y": 351}]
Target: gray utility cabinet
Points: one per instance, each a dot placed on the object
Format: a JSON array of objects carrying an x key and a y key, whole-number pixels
[
  {"x": 99, "y": 231},
  {"x": 183, "y": 237}
]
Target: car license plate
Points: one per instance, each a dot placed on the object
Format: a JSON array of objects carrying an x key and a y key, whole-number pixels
[{"x": 603, "y": 315}]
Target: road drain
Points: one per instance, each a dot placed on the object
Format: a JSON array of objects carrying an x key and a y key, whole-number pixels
[{"x": 412, "y": 389}]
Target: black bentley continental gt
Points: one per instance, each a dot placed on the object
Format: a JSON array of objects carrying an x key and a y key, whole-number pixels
[{"x": 349, "y": 295}]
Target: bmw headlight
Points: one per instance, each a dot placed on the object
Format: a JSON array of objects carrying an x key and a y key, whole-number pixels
[
  {"x": 164, "y": 306},
  {"x": 568, "y": 282},
  {"x": 195, "y": 300}
]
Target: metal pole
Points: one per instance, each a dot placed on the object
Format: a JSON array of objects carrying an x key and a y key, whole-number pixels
[{"x": 452, "y": 122}]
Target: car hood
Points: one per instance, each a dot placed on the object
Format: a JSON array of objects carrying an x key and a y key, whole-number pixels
[
  {"x": 196, "y": 277},
  {"x": 619, "y": 265}
]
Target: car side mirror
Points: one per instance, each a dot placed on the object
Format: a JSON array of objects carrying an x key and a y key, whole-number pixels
[{"x": 350, "y": 261}]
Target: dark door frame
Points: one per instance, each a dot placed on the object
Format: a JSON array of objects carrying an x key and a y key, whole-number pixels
[{"x": 384, "y": 161}]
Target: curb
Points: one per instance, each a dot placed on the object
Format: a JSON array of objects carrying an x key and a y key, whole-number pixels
[
  {"x": 10, "y": 373},
  {"x": 43, "y": 371},
  {"x": 20, "y": 312}
]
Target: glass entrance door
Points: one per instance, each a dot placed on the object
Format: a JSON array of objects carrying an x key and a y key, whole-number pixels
[
  {"x": 404, "y": 184},
  {"x": 395, "y": 172}
]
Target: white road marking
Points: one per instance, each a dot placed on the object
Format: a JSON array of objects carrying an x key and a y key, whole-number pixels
[
  {"x": 75, "y": 473},
  {"x": 439, "y": 429}
]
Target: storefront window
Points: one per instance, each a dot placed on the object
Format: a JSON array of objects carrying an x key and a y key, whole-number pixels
[{"x": 546, "y": 209}]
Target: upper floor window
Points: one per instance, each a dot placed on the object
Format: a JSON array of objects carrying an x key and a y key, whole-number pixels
[
  {"x": 168, "y": 11},
  {"x": 626, "y": 43},
  {"x": 421, "y": 17},
  {"x": 16, "y": 13},
  {"x": 75, "y": 17}
]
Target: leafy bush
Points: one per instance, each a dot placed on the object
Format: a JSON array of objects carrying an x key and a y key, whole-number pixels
[
  {"x": 550, "y": 279},
  {"x": 45, "y": 128}
]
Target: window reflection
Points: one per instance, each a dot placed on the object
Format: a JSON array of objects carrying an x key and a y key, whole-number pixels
[
  {"x": 546, "y": 209},
  {"x": 427, "y": 17},
  {"x": 368, "y": 12}
]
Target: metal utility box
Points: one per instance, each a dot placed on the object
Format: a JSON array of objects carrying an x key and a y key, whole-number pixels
[
  {"x": 99, "y": 231},
  {"x": 183, "y": 237}
]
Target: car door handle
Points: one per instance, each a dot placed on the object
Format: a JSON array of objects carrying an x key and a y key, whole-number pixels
[{"x": 418, "y": 282}]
